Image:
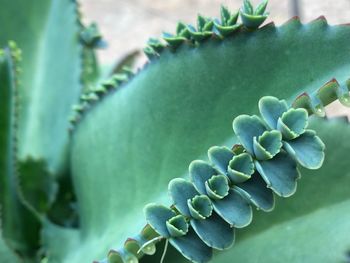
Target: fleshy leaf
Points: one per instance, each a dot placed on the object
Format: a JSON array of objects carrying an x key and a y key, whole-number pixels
[
  {"x": 253, "y": 19},
  {"x": 246, "y": 128},
  {"x": 201, "y": 21},
  {"x": 182, "y": 30},
  {"x": 156, "y": 44},
  {"x": 157, "y": 216},
  {"x": 200, "y": 172},
  {"x": 256, "y": 191},
  {"x": 234, "y": 209},
  {"x": 200, "y": 207},
  {"x": 271, "y": 109},
  {"x": 200, "y": 36},
  {"x": 121, "y": 256},
  {"x": 115, "y": 257},
  {"x": 217, "y": 187},
  {"x": 162, "y": 145},
  {"x": 37, "y": 185},
  {"x": 19, "y": 228},
  {"x": 227, "y": 30},
  {"x": 140, "y": 244},
  {"x": 214, "y": 232},
  {"x": 132, "y": 246},
  {"x": 192, "y": 247},
  {"x": 7, "y": 255},
  {"x": 150, "y": 53},
  {"x": 177, "y": 226},
  {"x": 181, "y": 191},
  {"x": 260, "y": 9},
  {"x": 144, "y": 237},
  {"x": 233, "y": 19},
  {"x": 308, "y": 149},
  {"x": 280, "y": 174},
  {"x": 225, "y": 15},
  {"x": 293, "y": 123},
  {"x": 220, "y": 157},
  {"x": 51, "y": 80},
  {"x": 240, "y": 168},
  {"x": 173, "y": 41},
  {"x": 319, "y": 204},
  {"x": 267, "y": 145},
  {"x": 91, "y": 36},
  {"x": 248, "y": 7}
]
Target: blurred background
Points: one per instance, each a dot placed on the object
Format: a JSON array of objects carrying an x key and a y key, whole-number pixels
[{"x": 126, "y": 25}]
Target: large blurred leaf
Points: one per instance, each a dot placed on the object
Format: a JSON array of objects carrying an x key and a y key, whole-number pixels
[
  {"x": 175, "y": 109},
  {"x": 18, "y": 227},
  {"x": 48, "y": 33},
  {"x": 6, "y": 254}
]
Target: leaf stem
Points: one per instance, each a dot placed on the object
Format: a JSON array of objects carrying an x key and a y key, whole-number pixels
[{"x": 165, "y": 249}]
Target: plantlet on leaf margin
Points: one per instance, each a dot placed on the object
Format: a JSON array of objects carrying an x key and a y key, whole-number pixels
[
  {"x": 274, "y": 161},
  {"x": 208, "y": 27},
  {"x": 271, "y": 143},
  {"x": 213, "y": 203},
  {"x": 201, "y": 85}
]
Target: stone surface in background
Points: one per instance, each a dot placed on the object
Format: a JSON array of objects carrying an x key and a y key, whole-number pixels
[{"x": 127, "y": 24}]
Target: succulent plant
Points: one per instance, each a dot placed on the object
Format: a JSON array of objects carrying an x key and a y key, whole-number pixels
[{"x": 96, "y": 167}]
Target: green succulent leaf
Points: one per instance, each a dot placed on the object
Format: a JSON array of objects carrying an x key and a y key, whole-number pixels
[
  {"x": 121, "y": 256},
  {"x": 253, "y": 19},
  {"x": 246, "y": 128},
  {"x": 200, "y": 172},
  {"x": 150, "y": 52},
  {"x": 48, "y": 34},
  {"x": 37, "y": 186},
  {"x": 304, "y": 217},
  {"x": 156, "y": 44},
  {"x": 200, "y": 207},
  {"x": 271, "y": 109},
  {"x": 177, "y": 226},
  {"x": 267, "y": 145},
  {"x": 157, "y": 216},
  {"x": 240, "y": 168},
  {"x": 260, "y": 9},
  {"x": 234, "y": 209},
  {"x": 214, "y": 232},
  {"x": 192, "y": 248},
  {"x": 181, "y": 191},
  {"x": 19, "y": 228},
  {"x": 248, "y": 7},
  {"x": 225, "y": 15},
  {"x": 173, "y": 41},
  {"x": 91, "y": 36},
  {"x": 189, "y": 118},
  {"x": 199, "y": 36},
  {"x": 308, "y": 149},
  {"x": 182, "y": 30},
  {"x": 226, "y": 30},
  {"x": 257, "y": 193},
  {"x": 217, "y": 186},
  {"x": 190, "y": 245},
  {"x": 220, "y": 157},
  {"x": 7, "y": 255},
  {"x": 201, "y": 21},
  {"x": 280, "y": 174},
  {"x": 293, "y": 123}
]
